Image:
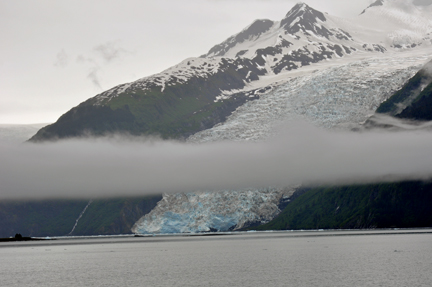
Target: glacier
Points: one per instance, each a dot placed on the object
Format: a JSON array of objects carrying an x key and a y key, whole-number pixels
[
  {"x": 328, "y": 71},
  {"x": 341, "y": 97},
  {"x": 212, "y": 211},
  {"x": 337, "y": 97}
]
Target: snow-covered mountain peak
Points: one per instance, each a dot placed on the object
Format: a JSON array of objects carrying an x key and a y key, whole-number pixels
[
  {"x": 252, "y": 32},
  {"x": 306, "y": 19},
  {"x": 303, "y": 36},
  {"x": 303, "y": 11},
  {"x": 302, "y": 23}
]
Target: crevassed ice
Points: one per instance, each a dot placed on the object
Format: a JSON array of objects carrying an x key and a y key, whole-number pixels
[
  {"x": 205, "y": 211},
  {"x": 330, "y": 98}
]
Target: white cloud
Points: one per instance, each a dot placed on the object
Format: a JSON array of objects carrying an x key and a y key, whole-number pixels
[
  {"x": 300, "y": 154},
  {"x": 109, "y": 51},
  {"x": 62, "y": 59}
]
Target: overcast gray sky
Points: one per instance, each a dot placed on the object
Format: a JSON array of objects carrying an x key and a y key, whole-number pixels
[{"x": 58, "y": 53}]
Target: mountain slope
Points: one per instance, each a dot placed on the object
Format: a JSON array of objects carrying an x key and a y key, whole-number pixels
[
  {"x": 409, "y": 93},
  {"x": 303, "y": 37},
  {"x": 58, "y": 217},
  {"x": 420, "y": 101},
  {"x": 421, "y": 107},
  {"x": 114, "y": 216},
  {"x": 330, "y": 71},
  {"x": 174, "y": 104},
  {"x": 199, "y": 93},
  {"x": 337, "y": 97},
  {"x": 386, "y": 205},
  {"x": 39, "y": 218}
]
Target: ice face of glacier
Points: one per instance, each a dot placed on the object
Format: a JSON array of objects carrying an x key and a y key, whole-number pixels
[{"x": 211, "y": 211}]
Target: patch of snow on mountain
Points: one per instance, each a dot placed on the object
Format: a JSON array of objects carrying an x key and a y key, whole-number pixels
[{"x": 178, "y": 74}]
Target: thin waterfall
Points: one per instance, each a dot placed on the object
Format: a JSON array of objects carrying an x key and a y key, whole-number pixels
[{"x": 79, "y": 217}]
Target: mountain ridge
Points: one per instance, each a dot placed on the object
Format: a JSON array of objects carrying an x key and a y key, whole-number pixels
[
  {"x": 199, "y": 93},
  {"x": 268, "y": 66}
]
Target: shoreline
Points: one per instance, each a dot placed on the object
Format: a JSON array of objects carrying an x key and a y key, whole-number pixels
[
  {"x": 13, "y": 239},
  {"x": 240, "y": 235}
]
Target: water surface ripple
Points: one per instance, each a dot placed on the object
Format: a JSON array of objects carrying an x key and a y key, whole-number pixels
[{"x": 351, "y": 258}]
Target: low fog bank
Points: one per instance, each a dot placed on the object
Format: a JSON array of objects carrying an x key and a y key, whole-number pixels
[
  {"x": 385, "y": 123},
  {"x": 300, "y": 154},
  {"x": 14, "y": 134}
]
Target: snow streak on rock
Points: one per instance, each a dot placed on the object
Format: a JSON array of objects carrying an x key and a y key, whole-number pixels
[{"x": 79, "y": 217}]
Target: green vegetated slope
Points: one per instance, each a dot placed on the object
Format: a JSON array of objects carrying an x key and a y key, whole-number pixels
[
  {"x": 176, "y": 110},
  {"x": 413, "y": 99},
  {"x": 57, "y": 217},
  {"x": 114, "y": 216},
  {"x": 39, "y": 218},
  {"x": 421, "y": 108},
  {"x": 386, "y": 205}
]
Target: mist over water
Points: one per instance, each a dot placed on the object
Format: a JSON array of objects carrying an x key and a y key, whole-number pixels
[{"x": 299, "y": 154}]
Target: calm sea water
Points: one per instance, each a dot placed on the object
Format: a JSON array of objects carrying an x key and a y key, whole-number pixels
[{"x": 359, "y": 258}]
